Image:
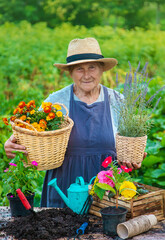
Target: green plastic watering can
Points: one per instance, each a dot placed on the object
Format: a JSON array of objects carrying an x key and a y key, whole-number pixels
[{"x": 77, "y": 193}]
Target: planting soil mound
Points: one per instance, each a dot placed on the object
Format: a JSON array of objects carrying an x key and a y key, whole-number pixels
[{"x": 50, "y": 224}]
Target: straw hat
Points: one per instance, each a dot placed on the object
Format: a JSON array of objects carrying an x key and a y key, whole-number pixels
[{"x": 85, "y": 50}]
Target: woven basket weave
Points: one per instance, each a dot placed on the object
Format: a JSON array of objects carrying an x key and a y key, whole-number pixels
[
  {"x": 130, "y": 149},
  {"x": 46, "y": 148}
]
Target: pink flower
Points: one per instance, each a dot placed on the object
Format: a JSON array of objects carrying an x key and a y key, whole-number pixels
[
  {"x": 12, "y": 164},
  {"x": 6, "y": 170},
  {"x": 11, "y": 196},
  {"x": 104, "y": 179},
  {"x": 34, "y": 163},
  {"x": 127, "y": 170},
  {"x": 107, "y": 161},
  {"x": 119, "y": 170}
]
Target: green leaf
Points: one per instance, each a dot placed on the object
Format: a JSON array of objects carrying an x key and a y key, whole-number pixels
[
  {"x": 151, "y": 160},
  {"x": 157, "y": 173},
  {"x": 106, "y": 187},
  {"x": 100, "y": 192},
  {"x": 153, "y": 147}
]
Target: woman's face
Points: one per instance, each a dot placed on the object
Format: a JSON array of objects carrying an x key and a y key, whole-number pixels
[{"x": 87, "y": 76}]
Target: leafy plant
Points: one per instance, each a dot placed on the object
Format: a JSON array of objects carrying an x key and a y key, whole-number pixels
[
  {"x": 115, "y": 180},
  {"x": 132, "y": 109},
  {"x": 17, "y": 175}
]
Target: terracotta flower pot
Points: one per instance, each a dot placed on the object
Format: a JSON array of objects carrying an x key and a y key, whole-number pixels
[
  {"x": 112, "y": 216},
  {"x": 17, "y": 208},
  {"x": 130, "y": 148}
]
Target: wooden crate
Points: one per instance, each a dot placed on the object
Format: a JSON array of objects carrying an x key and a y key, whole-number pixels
[{"x": 150, "y": 203}]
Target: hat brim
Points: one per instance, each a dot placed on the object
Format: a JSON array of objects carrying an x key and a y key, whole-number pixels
[{"x": 109, "y": 63}]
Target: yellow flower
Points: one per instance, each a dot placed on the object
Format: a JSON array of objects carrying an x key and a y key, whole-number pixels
[
  {"x": 35, "y": 124},
  {"x": 48, "y": 118},
  {"x": 56, "y": 106},
  {"x": 130, "y": 192},
  {"x": 92, "y": 192},
  {"x": 32, "y": 111},
  {"x": 59, "y": 114},
  {"x": 46, "y": 104}
]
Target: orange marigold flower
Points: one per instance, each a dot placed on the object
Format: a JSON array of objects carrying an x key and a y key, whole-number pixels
[
  {"x": 15, "y": 111},
  {"x": 28, "y": 121},
  {"x": 35, "y": 124},
  {"x": 47, "y": 109},
  {"x": 21, "y": 125},
  {"x": 23, "y": 117},
  {"x": 28, "y": 105},
  {"x": 56, "y": 106},
  {"x": 20, "y": 110},
  {"x": 22, "y": 104},
  {"x": 46, "y": 104},
  {"x": 59, "y": 114},
  {"x": 12, "y": 118},
  {"x": 52, "y": 115},
  {"x": 5, "y": 121},
  {"x": 43, "y": 123}
]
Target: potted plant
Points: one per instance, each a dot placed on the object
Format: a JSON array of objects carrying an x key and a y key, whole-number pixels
[
  {"x": 17, "y": 175},
  {"x": 134, "y": 116},
  {"x": 38, "y": 130},
  {"x": 115, "y": 182}
]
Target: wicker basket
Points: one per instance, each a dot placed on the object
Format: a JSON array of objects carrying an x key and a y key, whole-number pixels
[
  {"x": 130, "y": 148},
  {"x": 46, "y": 148}
]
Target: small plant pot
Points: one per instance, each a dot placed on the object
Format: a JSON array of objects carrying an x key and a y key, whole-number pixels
[
  {"x": 17, "y": 208},
  {"x": 112, "y": 216}
]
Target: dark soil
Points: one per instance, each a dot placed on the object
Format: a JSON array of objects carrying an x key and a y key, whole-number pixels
[{"x": 50, "y": 224}]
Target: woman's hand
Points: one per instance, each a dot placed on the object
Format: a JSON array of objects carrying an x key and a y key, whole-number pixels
[
  {"x": 134, "y": 166},
  {"x": 11, "y": 145}
]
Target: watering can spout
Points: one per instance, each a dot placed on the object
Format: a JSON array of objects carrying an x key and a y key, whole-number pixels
[{"x": 53, "y": 183}]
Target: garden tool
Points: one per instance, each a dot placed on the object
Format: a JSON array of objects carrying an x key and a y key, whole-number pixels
[
  {"x": 80, "y": 231},
  {"x": 77, "y": 193},
  {"x": 85, "y": 209},
  {"x": 25, "y": 201}
]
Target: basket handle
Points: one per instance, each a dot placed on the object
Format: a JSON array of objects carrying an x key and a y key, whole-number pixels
[
  {"x": 61, "y": 104},
  {"x": 25, "y": 123}
]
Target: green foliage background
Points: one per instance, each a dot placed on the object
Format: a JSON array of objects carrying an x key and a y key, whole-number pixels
[{"x": 27, "y": 54}]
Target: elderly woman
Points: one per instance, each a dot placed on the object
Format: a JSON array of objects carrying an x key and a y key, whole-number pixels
[{"x": 95, "y": 124}]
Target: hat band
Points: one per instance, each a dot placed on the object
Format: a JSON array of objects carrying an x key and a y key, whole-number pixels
[{"x": 83, "y": 56}]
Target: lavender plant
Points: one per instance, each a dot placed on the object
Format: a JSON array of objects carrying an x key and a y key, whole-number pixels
[{"x": 133, "y": 108}]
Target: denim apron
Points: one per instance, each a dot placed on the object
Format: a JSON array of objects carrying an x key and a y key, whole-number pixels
[{"x": 91, "y": 141}]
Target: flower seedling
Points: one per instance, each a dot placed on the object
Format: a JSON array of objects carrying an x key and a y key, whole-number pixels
[
  {"x": 18, "y": 175},
  {"x": 115, "y": 180}
]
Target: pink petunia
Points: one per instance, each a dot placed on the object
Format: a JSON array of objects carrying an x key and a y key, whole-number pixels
[
  {"x": 34, "y": 163},
  {"x": 107, "y": 161},
  {"x": 104, "y": 179},
  {"x": 6, "y": 170},
  {"x": 12, "y": 164},
  {"x": 127, "y": 170}
]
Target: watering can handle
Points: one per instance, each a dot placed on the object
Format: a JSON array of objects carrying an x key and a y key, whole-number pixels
[
  {"x": 92, "y": 180},
  {"x": 80, "y": 180}
]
